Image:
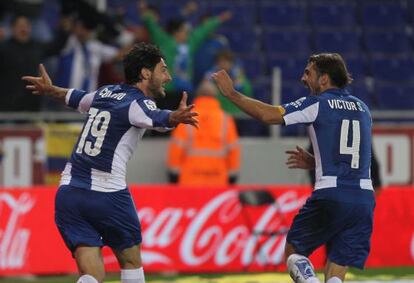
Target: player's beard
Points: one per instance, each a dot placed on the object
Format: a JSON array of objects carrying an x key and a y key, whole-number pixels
[
  {"x": 314, "y": 87},
  {"x": 156, "y": 88}
]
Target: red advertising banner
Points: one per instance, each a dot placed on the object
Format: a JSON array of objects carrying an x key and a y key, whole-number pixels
[{"x": 192, "y": 230}]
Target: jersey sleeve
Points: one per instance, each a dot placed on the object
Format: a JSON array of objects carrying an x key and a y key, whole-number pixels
[
  {"x": 145, "y": 114},
  {"x": 79, "y": 99},
  {"x": 302, "y": 111}
]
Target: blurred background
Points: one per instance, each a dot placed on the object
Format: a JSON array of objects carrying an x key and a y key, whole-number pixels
[{"x": 264, "y": 45}]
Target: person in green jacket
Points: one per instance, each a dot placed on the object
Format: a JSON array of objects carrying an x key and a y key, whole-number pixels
[
  {"x": 178, "y": 43},
  {"x": 225, "y": 60}
]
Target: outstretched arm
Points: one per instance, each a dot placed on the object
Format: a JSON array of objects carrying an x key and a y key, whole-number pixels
[
  {"x": 264, "y": 112},
  {"x": 184, "y": 114},
  {"x": 43, "y": 85}
]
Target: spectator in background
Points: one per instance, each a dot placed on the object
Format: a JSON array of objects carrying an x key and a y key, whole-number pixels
[
  {"x": 94, "y": 14},
  {"x": 31, "y": 9},
  {"x": 206, "y": 55},
  {"x": 21, "y": 55},
  {"x": 209, "y": 156},
  {"x": 79, "y": 62},
  {"x": 179, "y": 45},
  {"x": 225, "y": 60}
]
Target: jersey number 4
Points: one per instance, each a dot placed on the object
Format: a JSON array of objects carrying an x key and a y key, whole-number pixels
[
  {"x": 356, "y": 141},
  {"x": 97, "y": 125}
]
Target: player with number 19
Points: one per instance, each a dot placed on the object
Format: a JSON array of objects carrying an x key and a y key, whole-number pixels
[
  {"x": 339, "y": 213},
  {"x": 93, "y": 206}
]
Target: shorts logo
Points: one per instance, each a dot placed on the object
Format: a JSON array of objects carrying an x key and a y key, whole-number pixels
[{"x": 150, "y": 104}]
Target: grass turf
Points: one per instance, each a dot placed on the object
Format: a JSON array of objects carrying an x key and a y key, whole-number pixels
[{"x": 380, "y": 274}]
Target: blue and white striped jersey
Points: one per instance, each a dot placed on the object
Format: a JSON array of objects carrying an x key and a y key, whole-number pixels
[
  {"x": 118, "y": 116},
  {"x": 339, "y": 126}
]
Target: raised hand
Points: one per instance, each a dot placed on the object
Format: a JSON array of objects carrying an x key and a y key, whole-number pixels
[
  {"x": 40, "y": 85},
  {"x": 225, "y": 16},
  {"x": 300, "y": 159},
  {"x": 224, "y": 82},
  {"x": 43, "y": 85},
  {"x": 184, "y": 114}
]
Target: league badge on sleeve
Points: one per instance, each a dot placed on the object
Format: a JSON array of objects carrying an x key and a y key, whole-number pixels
[{"x": 150, "y": 104}]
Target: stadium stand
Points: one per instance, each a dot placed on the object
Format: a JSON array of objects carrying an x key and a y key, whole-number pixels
[
  {"x": 243, "y": 11},
  {"x": 346, "y": 42},
  {"x": 387, "y": 42},
  {"x": 278, "y": 14},
  {"x": 374, "y": 36},
  {"x": 383, "y": 14},
  {"x": 333, "y": 16}
]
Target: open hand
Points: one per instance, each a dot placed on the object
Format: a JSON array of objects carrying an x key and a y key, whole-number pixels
[
  {"x": 300, "y": 159},
  {"x": 184, "y": 114},
  {"x": 40, "y": 85}
]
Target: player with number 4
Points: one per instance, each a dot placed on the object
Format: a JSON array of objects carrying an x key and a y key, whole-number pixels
[
  {"x": 93, "y": 206},
  {"x": 339, "y": 213}
]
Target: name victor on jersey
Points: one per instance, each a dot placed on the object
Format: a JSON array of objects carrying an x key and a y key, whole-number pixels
[
  {"x": 107, "y": 93},
  {"x": 345, "y": 105}
]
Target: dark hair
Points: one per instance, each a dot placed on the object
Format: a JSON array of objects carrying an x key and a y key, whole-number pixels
[
  {"x": 15, "y": 18},
  {"x": 225, "y": 54},
  {"x": 174, "y": 25},
  {"x": 334, "y": 66},
  {"x": 154, "y": 9},
  {"x": 142, "y": 55}
]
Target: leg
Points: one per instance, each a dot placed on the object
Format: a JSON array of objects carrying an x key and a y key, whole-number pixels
[
  {"x": 334, "y": 273},
  {"x": 350, "y": 246},
  {"x": 90, "y": 262},
  {"x": 82, "y": 239},
  {"x": 131, "y": 265},
  {"x": 303, "y": 238}
]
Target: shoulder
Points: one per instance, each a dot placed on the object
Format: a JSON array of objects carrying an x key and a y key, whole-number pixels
[
  {"x": 360, "y": 102},
  {"x": 303, "y": 102}
]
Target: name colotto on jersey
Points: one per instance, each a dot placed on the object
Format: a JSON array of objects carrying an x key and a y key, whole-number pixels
[
  {"x": 118, "y": 116},
  {"x": 339, "y": 126}
]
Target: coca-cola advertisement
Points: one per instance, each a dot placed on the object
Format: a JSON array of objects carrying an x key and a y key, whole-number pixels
[{"x": 193, "y": 230}]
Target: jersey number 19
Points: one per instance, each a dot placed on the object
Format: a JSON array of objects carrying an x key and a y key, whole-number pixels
[{"x": 97, "y": 125}]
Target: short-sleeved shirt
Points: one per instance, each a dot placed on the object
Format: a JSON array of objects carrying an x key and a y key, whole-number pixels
[
  {"x": 339, "y": 126},
  {"x": 118, "y": 116}
]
